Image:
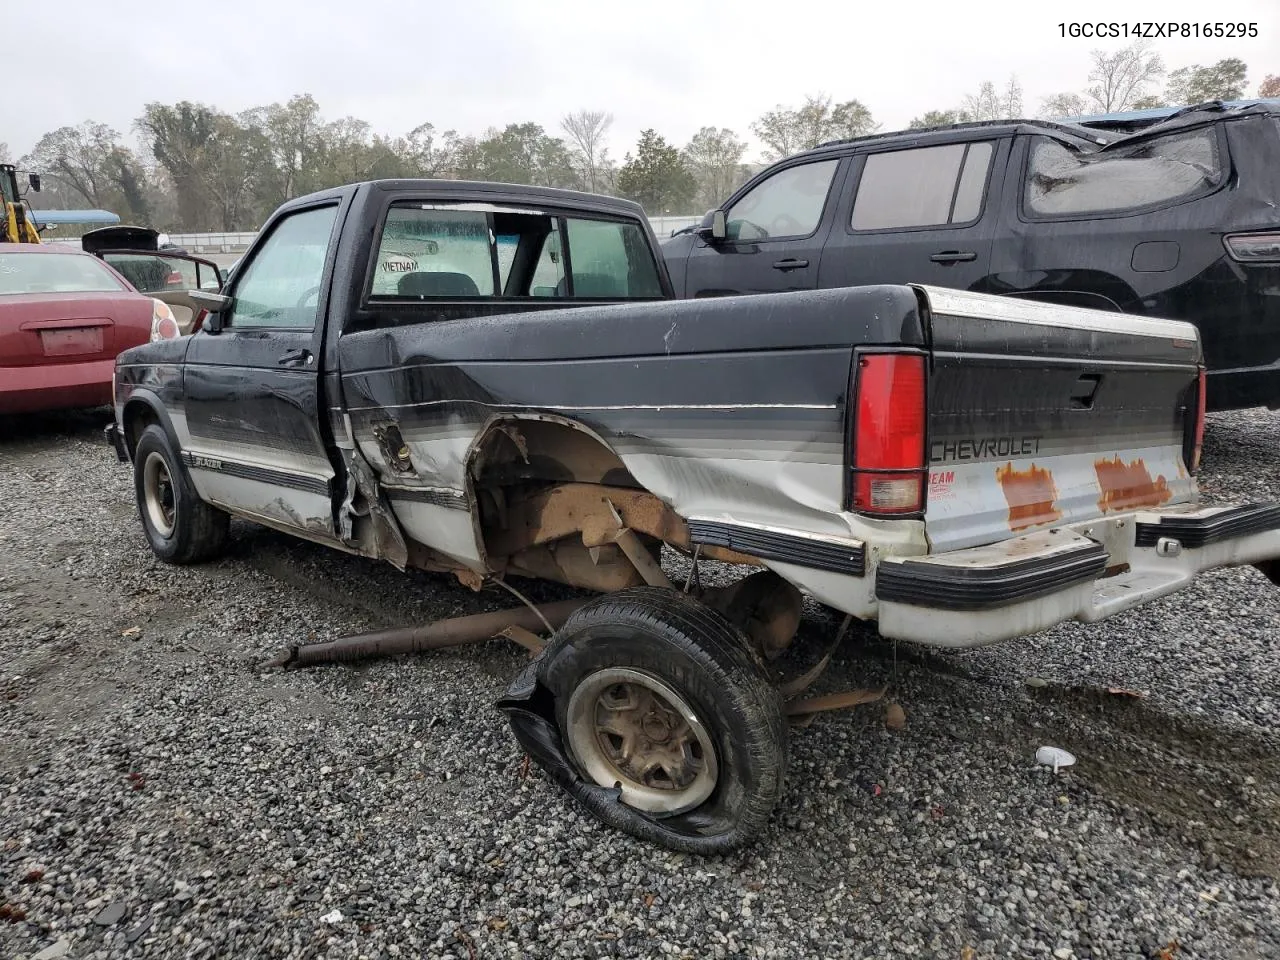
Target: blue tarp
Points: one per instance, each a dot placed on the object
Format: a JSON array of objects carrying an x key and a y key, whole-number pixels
[{"x": 43, "y": 217}]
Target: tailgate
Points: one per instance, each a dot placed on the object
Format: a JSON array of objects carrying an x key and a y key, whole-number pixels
[{"x": 1041, "y": 415}]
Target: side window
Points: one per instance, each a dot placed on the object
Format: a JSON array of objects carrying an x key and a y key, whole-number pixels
[
  {"x": 787, "y": 204},
  {"x": 429, "y": 251},
  {"x": 436, "y": 251},
  {"x": 610, "y": 259},
  {"x": 280, "y": 286},
  {"x": 1062, "y": 181},
  {"x": 548, "y": 273},
  {"x": 924, "y": 187}
]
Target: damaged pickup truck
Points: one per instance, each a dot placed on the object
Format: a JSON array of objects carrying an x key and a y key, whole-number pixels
[{"x": 494, "y": 381}]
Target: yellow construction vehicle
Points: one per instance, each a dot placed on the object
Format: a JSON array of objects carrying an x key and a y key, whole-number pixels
[{"x": 18, "y": 224}]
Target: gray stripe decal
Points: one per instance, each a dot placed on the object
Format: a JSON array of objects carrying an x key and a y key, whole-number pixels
[
  {"x": 436, "y": 496},
  {"x": 279, "y": 478}
]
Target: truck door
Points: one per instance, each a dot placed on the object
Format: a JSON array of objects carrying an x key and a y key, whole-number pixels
[
  {"x": 917, "y": 215},
  {"x": 775, "y": 232},
  {"x": 252, "y": 387}
]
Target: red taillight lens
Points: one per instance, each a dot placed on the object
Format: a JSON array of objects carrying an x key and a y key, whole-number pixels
[
  {"x": 1199, "y": 444},
  {"x": 888, "y": 442}
]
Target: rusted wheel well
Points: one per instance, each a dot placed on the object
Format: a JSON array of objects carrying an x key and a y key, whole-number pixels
[
  {"x": 554, "y": 501},
  {"x": 528, "y": 451},
  {"x": 138, "y": 415}
]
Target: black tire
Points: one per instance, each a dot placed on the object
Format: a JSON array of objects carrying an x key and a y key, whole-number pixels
[
  {"x": 699, "y": 656},
  {"x": 195, "y": 532}
]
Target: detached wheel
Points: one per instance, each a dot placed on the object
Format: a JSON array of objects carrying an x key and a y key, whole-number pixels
[
  {"x": 658, "y": 720},
  {"x": 180, "y": 527}
]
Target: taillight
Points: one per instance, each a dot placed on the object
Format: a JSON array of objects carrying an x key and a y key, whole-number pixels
[
  {"x": 163, "y": 325},
  {"x": 888, "y": 442},
  {"x": 1254, "y": 247}
]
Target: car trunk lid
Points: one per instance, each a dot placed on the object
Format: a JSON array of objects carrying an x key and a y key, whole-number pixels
[
  {"x": 39, "y": 329},
  {"x": 1042, "y": 415}
]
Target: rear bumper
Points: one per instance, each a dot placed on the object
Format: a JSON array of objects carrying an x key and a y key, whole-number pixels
[
  {"x": 55, "y": 386},
  {"x": 1088, "y": 571}
]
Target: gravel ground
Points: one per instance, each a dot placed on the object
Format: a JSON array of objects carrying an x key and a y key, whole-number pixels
[{"x": 160, "y": 798}]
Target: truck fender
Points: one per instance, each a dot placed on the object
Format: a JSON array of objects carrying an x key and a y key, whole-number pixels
[{"x": 142, "y": 408}]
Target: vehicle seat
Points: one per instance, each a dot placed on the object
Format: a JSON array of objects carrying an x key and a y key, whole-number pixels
[
  {"x": 441, "y": 284},
  {"x": 592, "y": 285}
]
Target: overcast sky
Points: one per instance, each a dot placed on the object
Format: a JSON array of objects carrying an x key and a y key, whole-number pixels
[{"x": 674, "y": 66}]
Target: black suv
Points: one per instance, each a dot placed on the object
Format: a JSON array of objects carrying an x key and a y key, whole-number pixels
[{"x": 1180, "y": 219}]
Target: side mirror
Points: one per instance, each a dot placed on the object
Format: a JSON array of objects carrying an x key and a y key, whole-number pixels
[
  {"x": 714, "y": 227},
  {"x": 33, "y": 181},
  {"x": 215, "y": 303}
]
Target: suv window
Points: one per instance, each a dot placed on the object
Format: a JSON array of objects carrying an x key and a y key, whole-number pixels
[
  {"x": 1062, "y": 181},
  {"x": 787, "y": 204},
  {"x": 280, "y": 286},
  {"x": 442, "y": 251},
  {"x": 923, "y": 187}
]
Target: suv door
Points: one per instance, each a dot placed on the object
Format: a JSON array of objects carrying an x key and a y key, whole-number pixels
[
  {"x": 252, "y": 387},
  {"x": 775, "y": 230},
  {"x": 923, "y": 214}
]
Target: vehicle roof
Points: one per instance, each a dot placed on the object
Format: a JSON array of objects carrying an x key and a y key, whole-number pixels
[
  {"x": 490, "y": 191},
  {"x": 1098, "y": 130},
  {"x": 992, "y": 127}
]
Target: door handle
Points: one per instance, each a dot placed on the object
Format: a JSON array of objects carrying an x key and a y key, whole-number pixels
[
  {"x": 954, "y": 256},
  {"x": 295, "y": 358},
  {"x": 791, "y": 263}
]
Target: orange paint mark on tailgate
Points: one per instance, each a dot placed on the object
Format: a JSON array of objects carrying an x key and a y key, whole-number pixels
[
  {"x": 1031, "y": 496},
  {"x": 1128, "y": 485}
]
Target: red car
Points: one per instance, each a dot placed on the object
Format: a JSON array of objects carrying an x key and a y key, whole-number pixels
[{"x": 64, "y": 316}]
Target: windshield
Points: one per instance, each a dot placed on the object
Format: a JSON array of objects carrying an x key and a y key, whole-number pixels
[{"x": 54, "y": 273}]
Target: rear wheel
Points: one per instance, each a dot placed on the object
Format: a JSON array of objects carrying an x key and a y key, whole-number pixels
[
  {"x": 180, "y": 527},
  {"x": 667, "y": 727}
]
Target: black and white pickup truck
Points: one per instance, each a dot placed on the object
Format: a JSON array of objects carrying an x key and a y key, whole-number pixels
[{"x": 495, "y": 381}]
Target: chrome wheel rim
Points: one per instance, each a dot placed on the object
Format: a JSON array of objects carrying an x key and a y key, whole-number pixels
[
  {"x": 157, "y": 494},
  {"x": 629, "y": 729}
]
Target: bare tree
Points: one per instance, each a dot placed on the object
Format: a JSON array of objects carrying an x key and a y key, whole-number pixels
[
  {"x": 990, "y": 104},
  {"x": 785, "y": 130},
  {"x": 1064, "y": 105},
  {"x": 1121, "y": 78},
  {"x": 4, "y": 153},
  {"x": 587, "y": 129}
]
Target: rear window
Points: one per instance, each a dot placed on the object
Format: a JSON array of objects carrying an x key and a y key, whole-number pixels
[
  {"x": 437, "y": 251},
  {"x": 55, "y": 273},
  {"x": 1064, "y": 181}
]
